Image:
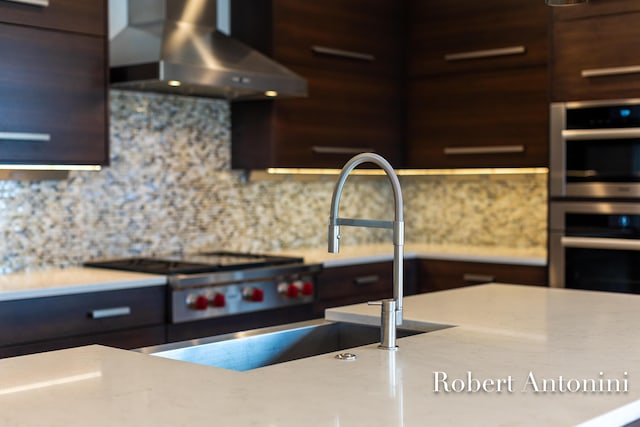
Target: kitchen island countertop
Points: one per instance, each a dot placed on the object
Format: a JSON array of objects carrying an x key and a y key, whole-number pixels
[{"x": 508, "y": 334}]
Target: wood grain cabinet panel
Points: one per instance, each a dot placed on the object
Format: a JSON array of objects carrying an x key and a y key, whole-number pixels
[
  {"x": 478, "y": 87},
  {"x": 596, "y": 57},
  {"x": 447, "y": 36},
  {"x": 85, "y": 16},
  {"x": 52, "y": 85},
  {"x": 96, "y": 317},
  {"x": 451, "y": 122},
  {"x": 438, "y": 275},
  {"x": 354, "y": 79},
  {"x": 359, "y": 283}
]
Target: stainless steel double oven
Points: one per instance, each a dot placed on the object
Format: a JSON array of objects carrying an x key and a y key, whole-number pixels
[{"x": 594, "y": 217}]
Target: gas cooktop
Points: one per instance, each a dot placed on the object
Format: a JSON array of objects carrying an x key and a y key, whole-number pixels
[{"x": 203, "y": 262}]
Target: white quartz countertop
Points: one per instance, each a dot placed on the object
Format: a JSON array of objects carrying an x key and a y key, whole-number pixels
[
  {"x": 360, "y": 254},
  {"x": 74, "y": 280},
  {"x": 508, "y": 334}
]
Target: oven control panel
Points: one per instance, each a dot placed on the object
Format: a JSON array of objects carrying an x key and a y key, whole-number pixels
[{"x": 236, "y": 298}]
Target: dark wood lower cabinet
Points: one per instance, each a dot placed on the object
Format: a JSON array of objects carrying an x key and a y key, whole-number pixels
[
  {"x": 437, "y": 275},
  {"x": 126, "y": 318},
  {"x": 359, "y": 283},
  {"x": 134, "y": 318}
]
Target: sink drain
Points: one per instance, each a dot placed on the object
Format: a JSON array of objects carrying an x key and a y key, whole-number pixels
[{"x": 346, "y": 356}]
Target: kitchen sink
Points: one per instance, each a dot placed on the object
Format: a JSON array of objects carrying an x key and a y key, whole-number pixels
[{"x": 243, "y": 351}]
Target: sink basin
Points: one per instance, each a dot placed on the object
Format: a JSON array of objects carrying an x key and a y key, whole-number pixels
[{"x": 242, "y": 351}]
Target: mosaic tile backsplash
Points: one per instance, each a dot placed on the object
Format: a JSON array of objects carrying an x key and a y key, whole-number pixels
[{"x": 170, "y": 188}]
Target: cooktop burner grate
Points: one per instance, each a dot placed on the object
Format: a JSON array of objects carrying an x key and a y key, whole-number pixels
[{"x": 204, "y": 262}]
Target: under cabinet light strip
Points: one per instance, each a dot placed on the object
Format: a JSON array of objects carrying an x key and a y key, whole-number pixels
[
  {"x": 52, "y": 167},
  {"x": 412, "y": 172}
]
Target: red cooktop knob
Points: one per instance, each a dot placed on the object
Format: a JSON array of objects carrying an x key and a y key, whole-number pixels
[
  {"x": 307, "y": 288},
  {"x": 201, "y": 302},
  {"x": 257, "y": 295},
  {"x": 292, "y": 291},
  {"x": 218, "y": 300}
]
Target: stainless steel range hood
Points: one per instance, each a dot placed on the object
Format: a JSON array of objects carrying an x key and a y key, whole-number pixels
[{"x": 173, "y": 46}]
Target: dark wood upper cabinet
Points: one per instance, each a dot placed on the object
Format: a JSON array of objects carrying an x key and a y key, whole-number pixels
[
  {"x": 491, "y": 119},
  {"x": 478, "y": 84},
  {"x": 353, "y": 62},
  {"x": 595, "y": 51},
  {"x": 87, "y": 16},
  {"x": 53, "y": 83}
]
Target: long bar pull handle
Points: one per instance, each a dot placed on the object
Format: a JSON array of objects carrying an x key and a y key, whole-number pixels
[
  {"x": 110, "y": 312},
  {"x": 322, "y": 149},
  {"x": 340, "y": 53},
  {"x": 488, "y": 53},
  {"x": 594, "y": 134},
  {"x": 487, "y": 149},
  {"x": 366, "y": 280},
  {"x": 43, "y": 3},
  {"x": 600, "y": 243},
  {"x": 25, "y": 136},
  {"x": 478, "y": 278},
  {"x": 613, "y": 71}
]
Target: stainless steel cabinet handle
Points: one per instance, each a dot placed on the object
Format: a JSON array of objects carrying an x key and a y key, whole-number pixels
[
  {"x": 24, "y": 136},
  {"x": 593, "y": 134},
  {"x": 489, "y": 53},
  {"x": 487, "y": 149},
  {"x": 43, "y": 3},
  {"x": 366, "y": 280},
  {"x": 614, "y": 71},
  {"x": 110, "y": 312},
  {"x": 321, "y": 149},
  {"x": 361, "y": 56},
  {"x": 600, "y": 243},
  {"x": 480, "y": 278}
]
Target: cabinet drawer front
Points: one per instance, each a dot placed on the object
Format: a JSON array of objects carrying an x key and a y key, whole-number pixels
[
  {"x": 53, "y": 84},
  {"x": 461, "y": 35},
  {"x": 50, "y": 318},
  {"x": 356, "y": 281},
  {"x": 437, "y": 275},
  {"x": 84, "y": 16},
  {"x": 489, "y": 119},
  {"x": 596, "y": 58},
  {"x": 339, "y": 35},
  {"x": 341, "y": 117}
]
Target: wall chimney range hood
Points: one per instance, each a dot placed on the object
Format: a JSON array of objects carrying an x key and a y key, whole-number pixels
[{"x": 174, "y": 46}]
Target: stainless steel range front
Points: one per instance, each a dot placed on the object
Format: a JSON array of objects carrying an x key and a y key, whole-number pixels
[{"x": 218, "y": 284}]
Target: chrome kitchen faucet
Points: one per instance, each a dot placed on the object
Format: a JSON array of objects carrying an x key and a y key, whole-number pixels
[{"x": 391, "y": 308}]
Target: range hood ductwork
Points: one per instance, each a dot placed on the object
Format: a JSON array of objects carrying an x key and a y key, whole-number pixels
[{"x": 173, "y": 46}]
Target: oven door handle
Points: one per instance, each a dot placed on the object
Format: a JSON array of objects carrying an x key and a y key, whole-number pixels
[
  {"x": 595, "y": 134},
  {"x": 600, "y": 243}
]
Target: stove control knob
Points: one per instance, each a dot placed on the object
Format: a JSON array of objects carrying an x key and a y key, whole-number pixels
[
  {"x": 253, "y": 294},
  {"x": 293, "y": 291},
  {"x": 307, "y": 288},
  {"x": 201, "y": 302},
  {"x": 283, "y": 288},
  {"x": 218, "y": 300}
]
